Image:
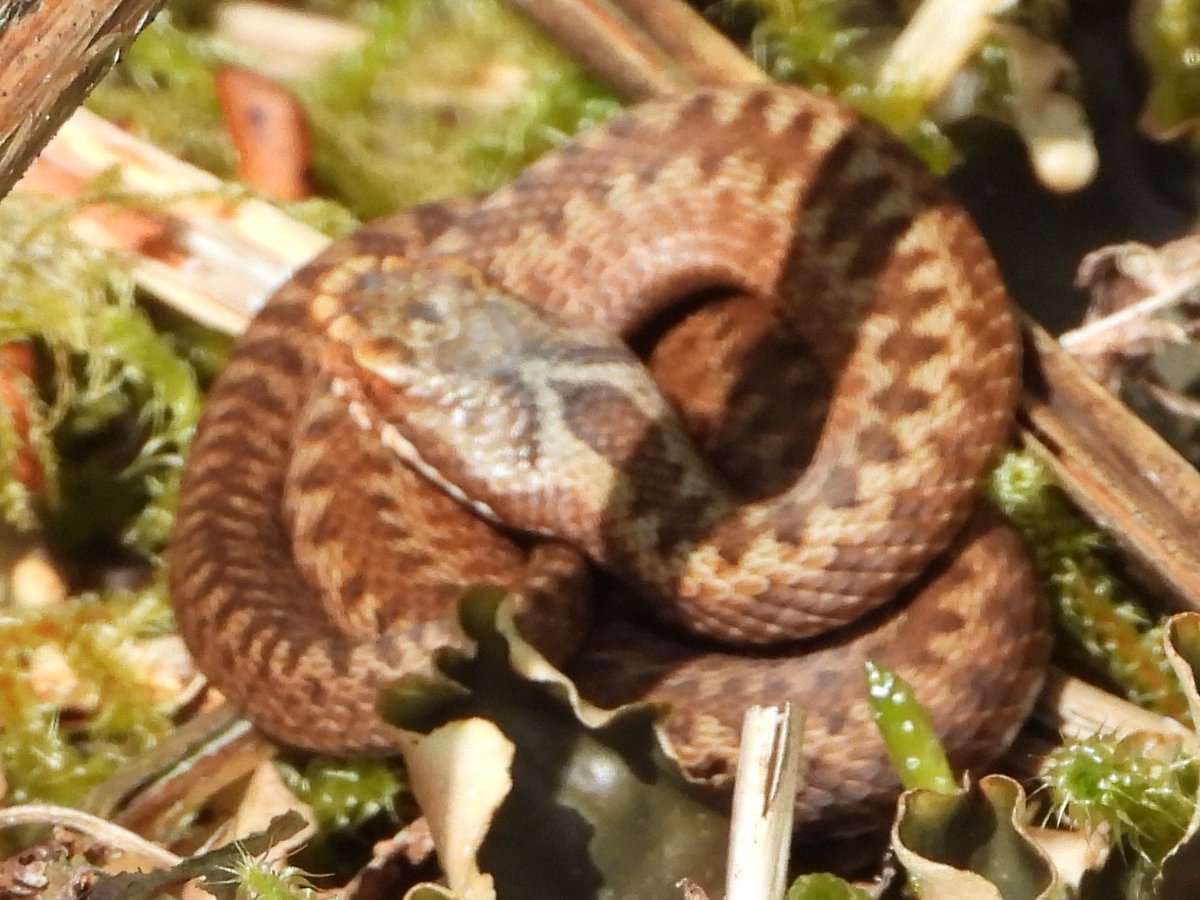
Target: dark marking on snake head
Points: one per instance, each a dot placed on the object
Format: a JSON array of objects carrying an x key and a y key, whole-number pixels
[
  {"x": 906, "y": 350},
  {"x": 353, "y": 586}
]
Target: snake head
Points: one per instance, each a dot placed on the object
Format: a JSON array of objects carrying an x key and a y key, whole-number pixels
[{"x": 483, "y": 394}]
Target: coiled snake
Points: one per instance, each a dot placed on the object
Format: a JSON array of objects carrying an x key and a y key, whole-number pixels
[{"x": 315, "y": 559}]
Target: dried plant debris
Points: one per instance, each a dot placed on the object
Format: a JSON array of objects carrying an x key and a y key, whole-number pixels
[
  {"x": 945, "y": 62},
  {"x": 231, "y": 872},
  {"x": 505, "y": 749},
  {"x": 1139, "y": 334}
]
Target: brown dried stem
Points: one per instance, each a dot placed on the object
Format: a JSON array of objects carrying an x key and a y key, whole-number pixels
[{"x": 608, "y": 44}]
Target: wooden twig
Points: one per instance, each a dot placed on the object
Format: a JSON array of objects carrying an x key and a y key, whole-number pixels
[
  {"x": 764, "y": 802},
  {"x": 686, "y": 37},
  {"x": 935, "y": 44},
  {"x": 217, "y": 258},
  {"x": 1125, "y": 477},
  {"x": 606, "y": 42},
  {"x": 51, "y": 55},
  {"x": 100, "y": 829},
  {"x": 1074, "y": 709}
]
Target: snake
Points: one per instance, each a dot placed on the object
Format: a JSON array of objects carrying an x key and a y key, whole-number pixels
[{"x": 600, "y": 381}]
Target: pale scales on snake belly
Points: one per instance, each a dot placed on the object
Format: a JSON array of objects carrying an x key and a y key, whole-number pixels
[{"x": 290, "y": 578}]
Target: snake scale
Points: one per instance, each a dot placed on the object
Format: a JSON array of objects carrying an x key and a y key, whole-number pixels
[{"x": 393, "y": 398}]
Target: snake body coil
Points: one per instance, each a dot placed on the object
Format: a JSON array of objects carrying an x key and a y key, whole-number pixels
[{"x": 395, "y": 388}]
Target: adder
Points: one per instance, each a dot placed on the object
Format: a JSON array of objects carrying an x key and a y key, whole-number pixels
[{"x": 447, "y": 397}]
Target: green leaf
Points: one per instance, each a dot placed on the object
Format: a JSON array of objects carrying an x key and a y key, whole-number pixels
[{"x": 912, "y": 743}]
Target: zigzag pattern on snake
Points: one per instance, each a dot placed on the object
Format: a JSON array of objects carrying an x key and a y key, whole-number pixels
[{"x": 393, "y": 390}]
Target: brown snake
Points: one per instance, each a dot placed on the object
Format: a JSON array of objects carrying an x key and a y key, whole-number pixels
[{"x": 310, "y": 564}]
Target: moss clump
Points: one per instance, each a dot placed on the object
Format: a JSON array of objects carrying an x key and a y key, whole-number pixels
[
  {"x": 114, "y": 711},
  {"x": 812, "y": 42},
  {"x": 1092, "y": 607},
  {"x": 163, "y": 91},
  {"x": 1141, "y": 787},
  {"x": 107, "y": 372},
  {"x": 344, "y": 794},
  {"x": 444, "y": 99}
]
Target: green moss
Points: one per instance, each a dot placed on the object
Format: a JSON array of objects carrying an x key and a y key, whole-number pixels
[
  {"x": 343, "y": 793},
  {"x": 445, "y": 99},
  {"x": 1143, "y": 787},
  {"x": 162, "y": 90},
  {"x": 811, "y": 42},
  {"x": 260, "y": 880},
  {"x": 823, "y": 886},
  {"x": 46, "y": 756},
  {"x": 1093, "y": 609},
  {"x": 105, "y": 368}
]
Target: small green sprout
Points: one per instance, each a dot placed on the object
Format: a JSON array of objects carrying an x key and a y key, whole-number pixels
[{"x": 912, "y": 743}]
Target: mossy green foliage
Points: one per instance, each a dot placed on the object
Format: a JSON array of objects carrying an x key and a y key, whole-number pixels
[
  {"x": 1172, "y": 47},
  {"x": 163, "y": 91},
  {"x": 824, "y": 886},
  {"x": 836, "y": 47},
  {"x": 446, "y": 99},
  {"x": 912, "y": 743},
  {"x": 46, "y": 755},
  {"x": 108, "y": 372},
  {"x": 259, "y": 880},
  {"x": 1093, "y": 608},
  {"x": 344, "y": 794},
  {"x": 812, "y": 42},
  {"x": 1142, "y": 787}
]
